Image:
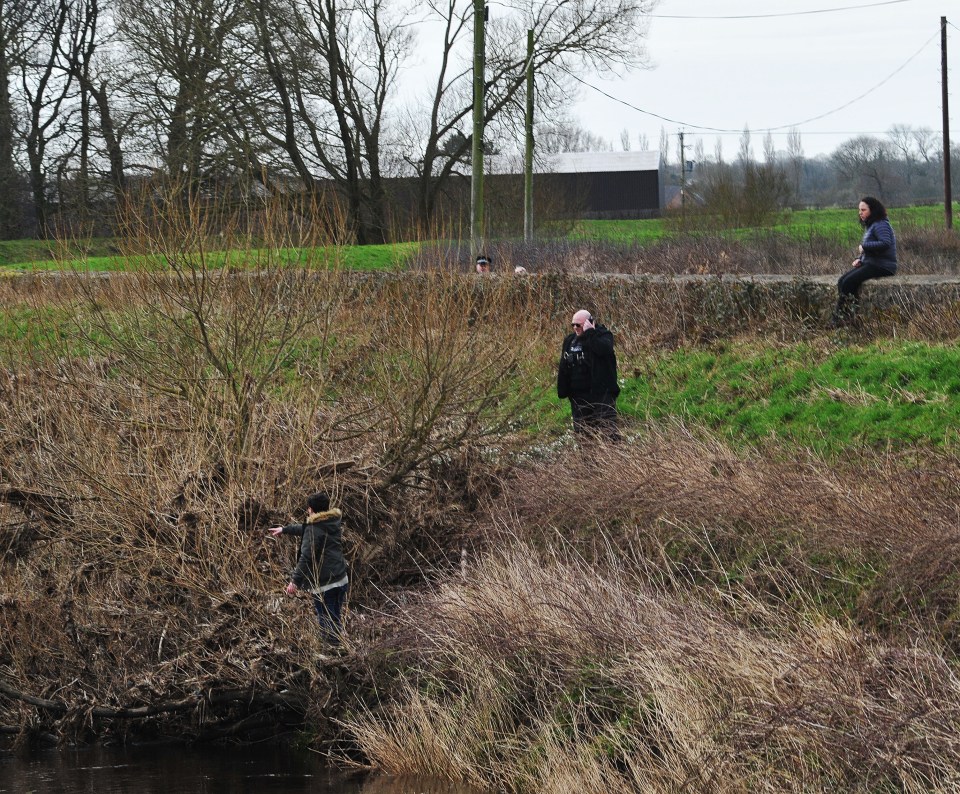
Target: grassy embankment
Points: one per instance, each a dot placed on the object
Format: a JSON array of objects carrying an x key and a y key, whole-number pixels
[{"x": 757, "y": 592}]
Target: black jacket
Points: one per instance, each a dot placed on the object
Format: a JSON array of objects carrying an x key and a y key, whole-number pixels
[
  {"x": 321, "y": 550},
  {"x": 591, "y": 373}
]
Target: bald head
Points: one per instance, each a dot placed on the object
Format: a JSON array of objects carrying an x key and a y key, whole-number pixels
[{"x": 581, "y": 322}]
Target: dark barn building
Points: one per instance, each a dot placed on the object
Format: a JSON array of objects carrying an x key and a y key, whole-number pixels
[{"x": 595, "y": 185}]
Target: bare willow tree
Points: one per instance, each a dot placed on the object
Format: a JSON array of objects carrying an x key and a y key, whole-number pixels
[
  {"x": 330, "y": 70},
  {"x": 599, "y": 36},
  {"x": 213, "y": 316}
]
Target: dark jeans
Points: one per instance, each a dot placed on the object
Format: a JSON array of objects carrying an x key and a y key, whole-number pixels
[
  {"x": 596, "y": 419},
  {"x": 849, "y": 289},
  {"x": 328, "y": 606}
]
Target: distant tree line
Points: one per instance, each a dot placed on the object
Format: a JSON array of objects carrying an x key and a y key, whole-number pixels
[
  {"x": 904, "y": 167},
  {"x": 102, "y": 99}
]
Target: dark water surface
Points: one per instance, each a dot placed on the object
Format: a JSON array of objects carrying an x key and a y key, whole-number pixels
[{"x": 170, "y": 769}]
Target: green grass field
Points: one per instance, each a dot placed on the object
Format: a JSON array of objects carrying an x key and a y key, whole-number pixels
[
  {"x": 888, "y": 394},
  {"x": 834, "y": 224},
  {"x": 368, "y": 257}
]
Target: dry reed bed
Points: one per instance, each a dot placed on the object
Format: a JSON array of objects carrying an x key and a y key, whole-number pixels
[
  {"x": 543, "y": 672},
  {"x": 613, "y": 645}
]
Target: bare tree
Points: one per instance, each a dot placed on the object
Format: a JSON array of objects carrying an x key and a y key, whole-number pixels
[
  {"x": 664, "y": 145},
  {"x": 553, "y": 137},
  {"x": 331, "y": 69},
  {"x": 900, "y": 137},
  {"x": 97, "y": 92},
  {"x": 569, "y": 35},
  {"x": 865, "y": 162},
  {"x": 745, "y": 152},
  {"x": 769, "y": 149},
  {"x": 925, "y": 142},
  {"x": 45, "y": 89},
  {"x": 14, "y": 17},
  {"x": 699, "y": 153},
  {"x": 795, "y": 159},
  {"x": 185, "y": 88}
]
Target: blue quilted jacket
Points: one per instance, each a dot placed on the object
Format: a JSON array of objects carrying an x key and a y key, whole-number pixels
[{"x": 879, "y": 246}]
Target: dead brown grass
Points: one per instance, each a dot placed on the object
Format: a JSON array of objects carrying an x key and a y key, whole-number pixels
[
  {"x": 542, "y": 671},
  {"x": 167, "y": 418},
  {"x": 668, "y": 615}
]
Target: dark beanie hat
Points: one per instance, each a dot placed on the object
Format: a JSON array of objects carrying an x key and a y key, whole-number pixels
[{"x": 318, "y": 502}]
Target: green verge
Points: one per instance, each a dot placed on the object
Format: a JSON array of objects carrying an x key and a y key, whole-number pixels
[
  {"x": 816, "y": 395},
  {"x": 835, "y": 225},
  {"x": 888, "y": 394},
  {"x": 366, "y": 257}
]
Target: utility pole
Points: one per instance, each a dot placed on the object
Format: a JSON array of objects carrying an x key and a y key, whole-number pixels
[
  {"x": 947, "y": 187},
  {"x": 528, "y": 151},
  {"x": 683, "y": 184},
  {"x": 476, "y": 176}
]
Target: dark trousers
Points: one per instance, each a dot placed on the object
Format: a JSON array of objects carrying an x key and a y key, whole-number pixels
[
  {"x": 329, "y": 605},
  {"x": 595, "y": 419},
  {"x": 849, "y": 286}
]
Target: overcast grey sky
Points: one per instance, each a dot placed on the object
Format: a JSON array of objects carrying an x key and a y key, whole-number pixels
[{"x": 725, "y": 64}]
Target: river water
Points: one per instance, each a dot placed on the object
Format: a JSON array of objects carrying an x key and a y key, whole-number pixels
[{"x": 168, "y": 769}]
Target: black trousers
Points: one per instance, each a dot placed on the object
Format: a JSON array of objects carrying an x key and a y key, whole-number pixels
[
  {"x": 596, "y": 419},
  {"x": 849, "y": 286}
]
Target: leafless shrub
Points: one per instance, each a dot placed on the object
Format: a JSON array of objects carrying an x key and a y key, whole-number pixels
[{"x": 166, "y": 415}]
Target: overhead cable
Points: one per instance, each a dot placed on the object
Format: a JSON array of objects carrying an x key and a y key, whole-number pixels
[
  {"x": 762, "y": 129},
  {"x": 779, "y": 14}
]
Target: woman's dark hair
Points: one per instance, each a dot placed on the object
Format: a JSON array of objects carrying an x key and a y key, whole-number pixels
[{"x": 877, "y": 211}]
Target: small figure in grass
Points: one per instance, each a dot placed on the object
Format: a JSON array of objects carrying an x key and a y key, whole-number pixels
[
  {"x": 321, "y": 568},
  {"x": 877, "y": 259},
  {"x": 483, "y": 263},
  {"x": 587, "y": 375}
]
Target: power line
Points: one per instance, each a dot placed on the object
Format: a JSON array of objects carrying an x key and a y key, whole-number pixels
[
  {"x": 742, "y": 16},
  {"x": 782, "y": 14},
  {"x": 762, "y": 129}
]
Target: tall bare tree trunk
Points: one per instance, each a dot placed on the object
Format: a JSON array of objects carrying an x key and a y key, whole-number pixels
[{"x": 9, "y": 188}]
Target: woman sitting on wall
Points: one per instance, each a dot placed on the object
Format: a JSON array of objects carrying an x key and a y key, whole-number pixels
[{"x": 877, "y": 259}]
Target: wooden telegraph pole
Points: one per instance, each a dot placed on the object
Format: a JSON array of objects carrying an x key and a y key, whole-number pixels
[
  {"x": 947, "y": 188},
  {"x": 528, "y": 149},
  {"x": 476, "y": 176}
]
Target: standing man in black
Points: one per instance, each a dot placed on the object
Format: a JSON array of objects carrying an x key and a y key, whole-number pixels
[{"x": 587, "y": 375}]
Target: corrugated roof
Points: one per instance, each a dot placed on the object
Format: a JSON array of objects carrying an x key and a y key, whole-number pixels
[{"x": 578, "y": 163}]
